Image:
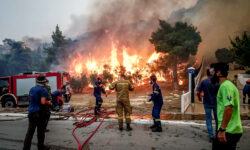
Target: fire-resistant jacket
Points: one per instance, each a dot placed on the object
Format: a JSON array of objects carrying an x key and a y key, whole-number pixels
[
  {"x": 98, "y": 89},
  {"x": 156, "y": 97},
  {"x": 122, "y": 88}
]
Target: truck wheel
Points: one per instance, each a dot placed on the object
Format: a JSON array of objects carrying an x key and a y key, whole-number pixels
[{"x": 9, "y": 103}]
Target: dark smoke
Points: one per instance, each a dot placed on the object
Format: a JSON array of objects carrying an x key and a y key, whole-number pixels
[
  {"x": 130, "y": 23},
  {"x": 124, "y": 23},
  {"x": 218, "y": 21}
]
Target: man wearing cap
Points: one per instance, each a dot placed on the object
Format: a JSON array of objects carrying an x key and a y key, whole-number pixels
[
  {"x": 157, "y": 99},
  {"x": 228, "y": 111},
  {"x": 122, "y": 88},
  {"x": 37, "y": 118},
  {"x": 209, "y": 101},
  {"x": 98, "y": 90},
  {"x": 246, "y": 92}
]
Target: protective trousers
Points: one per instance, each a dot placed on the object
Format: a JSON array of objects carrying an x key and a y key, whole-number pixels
[
  {"x": 156, "y": 113},
  {"x": 36, "y": 120},
  {"x": 98, "y": 104},
  {"x": 123, "y": 105}
]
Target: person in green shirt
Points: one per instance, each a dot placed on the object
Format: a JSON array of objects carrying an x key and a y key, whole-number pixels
[{"x": 228, "y": 111}]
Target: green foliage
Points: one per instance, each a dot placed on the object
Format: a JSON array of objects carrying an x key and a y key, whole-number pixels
[
  {"x": 179, "y": 41},
  {"x": 58, "y": 47},
  {"x": 18, "y": 60},
  {"x": 21, "y": 58},
  {"x": 79, "y": 83},
  {"x": 224, "y": 55},
  {"x": 241, "y": 49}
]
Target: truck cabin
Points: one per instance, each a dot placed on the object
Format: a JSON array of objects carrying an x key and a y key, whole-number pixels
[{"x": 4, "y": 85}]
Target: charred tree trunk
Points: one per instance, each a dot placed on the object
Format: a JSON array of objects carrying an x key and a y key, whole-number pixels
[{"x": 174, "y": 67}]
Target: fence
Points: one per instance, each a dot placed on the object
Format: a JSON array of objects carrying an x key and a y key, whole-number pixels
[{"x": 185, "y": 101}]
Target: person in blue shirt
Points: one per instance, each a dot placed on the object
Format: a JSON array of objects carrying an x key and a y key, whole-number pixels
[
  {"x": 157, "y": 99},
  {"x": 36, "y": 114},
  {"x": 55, "y": 95},
  {"x": 246, "y": 91},
  {"x": 98, "y": 90},
  {"x": 209, "y": 101}
]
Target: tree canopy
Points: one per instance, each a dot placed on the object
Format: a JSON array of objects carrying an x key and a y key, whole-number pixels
[
  {"x": 224, "y": 55},
  {"x": 18, "y": 60},
  {"x": 179, "y": 41},
  {"x": 241, "y": 49},
  {"x": 58, "y": 47}
]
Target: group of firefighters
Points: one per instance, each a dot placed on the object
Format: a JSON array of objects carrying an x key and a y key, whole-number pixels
[
  {"x": 228, "y": 124},
  {"x": 122, "y": 87}
]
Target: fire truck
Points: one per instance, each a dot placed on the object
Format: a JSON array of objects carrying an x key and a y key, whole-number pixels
[{"x": 14, "y": 90}]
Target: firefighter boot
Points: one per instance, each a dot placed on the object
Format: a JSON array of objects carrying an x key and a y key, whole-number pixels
[
  {"x": 157, "y": 129},
  {"x": 120, "y": 127},
  {"x": 96, "y": 111},
  {"x": 154, "y": 125},
  {"x": 120, "y": 123},
  {"x": 128, "y": 127}
]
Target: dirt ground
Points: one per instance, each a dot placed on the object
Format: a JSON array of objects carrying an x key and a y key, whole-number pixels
[{"x": 138, "y": 99}]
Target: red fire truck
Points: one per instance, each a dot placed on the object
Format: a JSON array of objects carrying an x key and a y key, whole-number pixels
[{"x": 14, "y": 90}]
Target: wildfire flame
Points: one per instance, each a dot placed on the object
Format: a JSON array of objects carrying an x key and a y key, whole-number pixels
[
  {"x": 180, "y": 82},
  {"x": 153, "y": 57},
  {"x": 131, "y": 63}
]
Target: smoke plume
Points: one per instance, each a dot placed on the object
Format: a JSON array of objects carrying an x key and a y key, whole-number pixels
[
  {"x": 130, "y": 24},
  {"x": 217, "y": 21}
]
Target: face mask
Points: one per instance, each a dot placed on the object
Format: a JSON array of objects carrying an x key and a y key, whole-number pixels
[
  {"x": 99, "y": 81},
  {"x": 150, "y": 82}
]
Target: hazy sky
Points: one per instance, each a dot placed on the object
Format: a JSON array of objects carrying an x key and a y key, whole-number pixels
[{"x": 38, "y": 18}]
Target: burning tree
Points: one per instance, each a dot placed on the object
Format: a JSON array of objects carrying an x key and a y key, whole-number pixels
[
  {"x": 107, "y": 76},
  {"x": 79, "y": 83},
  {"x": 179, "y": 41}
]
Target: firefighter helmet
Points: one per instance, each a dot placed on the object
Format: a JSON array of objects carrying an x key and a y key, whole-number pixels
[
  {"x": 248, "y": 81},
  {"x": 153, "y": 78},
  {"x": 99, "y": 77}
]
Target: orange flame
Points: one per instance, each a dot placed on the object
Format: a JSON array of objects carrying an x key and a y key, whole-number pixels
[
  {"x": 132, "y": 64},
  {"x": 180, "y": 82}
]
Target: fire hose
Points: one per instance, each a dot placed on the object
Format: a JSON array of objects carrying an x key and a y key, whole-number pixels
[{"x": 83, "y": 123}]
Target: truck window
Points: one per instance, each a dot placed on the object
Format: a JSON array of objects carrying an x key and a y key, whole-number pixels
[{"x": 4, "y": 86}]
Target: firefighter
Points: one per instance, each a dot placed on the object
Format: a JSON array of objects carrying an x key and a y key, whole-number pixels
[
  {"x": 157, "y": 99},
  {"x": 246, "y": 91},
  {"x": 98, "y": 90},
  {"x": 122, "y": 88}
]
